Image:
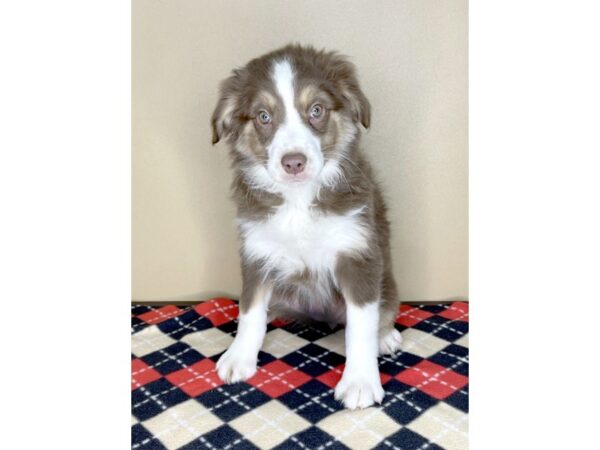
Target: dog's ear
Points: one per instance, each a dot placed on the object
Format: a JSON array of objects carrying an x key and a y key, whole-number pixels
[
  {"x": 343, "y": 73},
  {"x": 222, "y": 118},
  {"x": 359, "y": 104},
  {"x": 223, "y": 115}
]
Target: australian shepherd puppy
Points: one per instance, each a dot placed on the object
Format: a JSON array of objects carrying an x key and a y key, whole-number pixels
[{"x": 311, "y": 217}]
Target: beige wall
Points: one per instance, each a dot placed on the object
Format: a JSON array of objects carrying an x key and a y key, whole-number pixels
[{"x": 412, "y": 61}]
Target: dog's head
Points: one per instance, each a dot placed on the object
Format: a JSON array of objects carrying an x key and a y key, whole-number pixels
[{"x": 291, "y": 116}]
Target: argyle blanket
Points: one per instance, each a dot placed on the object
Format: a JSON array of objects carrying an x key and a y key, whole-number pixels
[{"x": 178, "y": 402}]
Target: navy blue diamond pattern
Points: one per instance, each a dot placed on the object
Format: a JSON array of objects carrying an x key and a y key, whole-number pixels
[
  {"x": 233, "y": 401},
  {"x": 410, "y": 441},
  {"x": 408, "y": 399},
  {"x": 313, "y": 401},
  {"x": 312, "y": 437},
  {"x": 220, "y": 437}
]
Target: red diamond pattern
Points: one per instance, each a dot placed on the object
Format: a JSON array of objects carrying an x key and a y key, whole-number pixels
[
  {"x": 142, "y": 374},
  {"x": 197, "y": 378},
  {"x": 218, "y": 310},
  {"x": 278, "y": 378},
  {"x": 161, "y": 314},
  {"x": 410, "y": 316},
  {"x": 457, "y": 311},
  {"x": 333, "y": 376},
  {"x": 279, "y": 323},
  {"x": 433, "y": 379}
]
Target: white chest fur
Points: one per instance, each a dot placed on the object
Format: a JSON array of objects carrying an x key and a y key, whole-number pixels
[{"x": 297, "y": 237}]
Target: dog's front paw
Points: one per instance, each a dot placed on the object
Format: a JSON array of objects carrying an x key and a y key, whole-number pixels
[
  {"x": 357, "y": 390},
  {"x": 390, "y": 343},
  {"x": 234, "y": 366}
]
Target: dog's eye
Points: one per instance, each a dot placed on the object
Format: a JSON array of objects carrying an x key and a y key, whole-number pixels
[
  {"x": 316, "y": 111},
  {"x": 264, "y": 117}
]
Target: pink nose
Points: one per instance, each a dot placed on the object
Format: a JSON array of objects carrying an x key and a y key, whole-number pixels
[{"x": 293, "y": 163}]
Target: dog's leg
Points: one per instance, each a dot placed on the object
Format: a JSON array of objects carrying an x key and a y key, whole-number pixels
[
  {"x": 238, "y": 363},
  {"x": 360, "y": 385},
  {"x": 390, "y": 339}
]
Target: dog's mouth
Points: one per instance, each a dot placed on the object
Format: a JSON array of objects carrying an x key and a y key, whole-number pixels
[
  {"x": 297, "y": 178},
  {"x": 293, "y": 180}
]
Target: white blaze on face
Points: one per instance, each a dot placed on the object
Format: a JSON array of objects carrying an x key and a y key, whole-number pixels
[{"x": 293, "y": 135}]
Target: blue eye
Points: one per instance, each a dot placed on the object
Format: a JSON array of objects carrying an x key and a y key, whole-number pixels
[
  {"x": 264, "y": 117},
  {"x": 316, "y": 111}
]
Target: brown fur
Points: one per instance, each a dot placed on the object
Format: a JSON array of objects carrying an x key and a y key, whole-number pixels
[{"x": 329, "y": 77}]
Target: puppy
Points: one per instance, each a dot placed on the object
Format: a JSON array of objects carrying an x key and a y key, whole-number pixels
[{"x": 311, "y": 217}]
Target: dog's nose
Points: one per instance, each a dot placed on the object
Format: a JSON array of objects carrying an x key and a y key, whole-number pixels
[{"x": 293, "y": 163}]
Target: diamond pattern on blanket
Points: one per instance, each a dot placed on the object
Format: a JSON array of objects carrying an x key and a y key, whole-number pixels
[
  {"x": 179, "y": 402},
  {"x": 208, "y": 342},
  {"x": 160, "y": 314},
  {"x": 359, "y": 429},
  {"x": 142, "y": 374},
  {"x": 196, "y": 378},
  {"x": 443, "y": 424},
  {"x": 177, "y": 426},
  {"x": 422, "y": 344},
  {"x": 277, "y": 378},
  {"x": 280, "y": 342},
  {"x": 269, "y": 425},
  {"x": 333, "y": 342},
  {"x": 149, "y": 340},
  {"x": 433, "y": 379}
]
